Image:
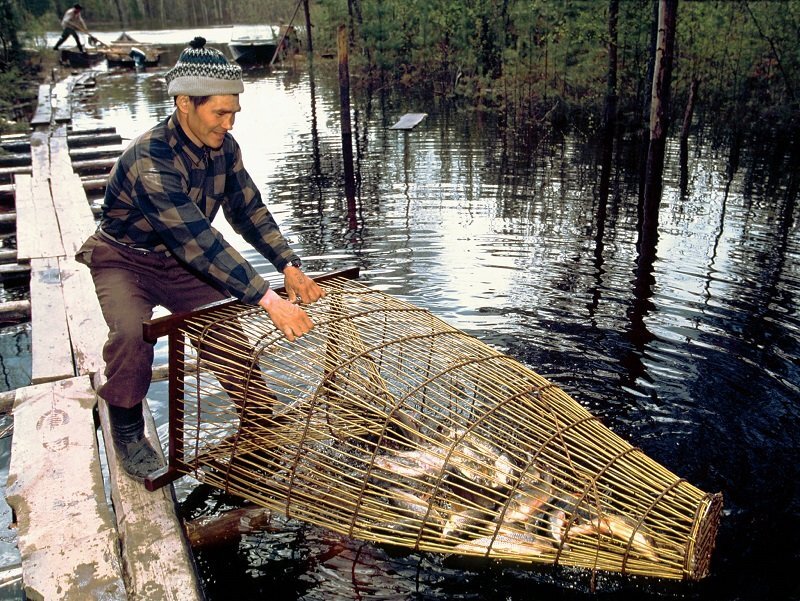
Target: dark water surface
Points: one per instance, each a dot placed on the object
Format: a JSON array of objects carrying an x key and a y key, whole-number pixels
[{"x": 695, "y": 358}]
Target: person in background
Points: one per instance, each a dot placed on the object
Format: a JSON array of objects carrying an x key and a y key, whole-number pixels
[
  {"x": 72, "y": 23},
  {"x": 155, "y": 244}
]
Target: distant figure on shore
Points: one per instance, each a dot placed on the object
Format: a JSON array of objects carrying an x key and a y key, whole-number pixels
[{"x": 72, "y": 23}]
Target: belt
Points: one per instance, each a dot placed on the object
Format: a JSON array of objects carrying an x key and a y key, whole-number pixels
[{"x": 139, "y": 249}]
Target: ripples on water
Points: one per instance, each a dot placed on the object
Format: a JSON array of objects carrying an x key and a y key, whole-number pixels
[{"x": 694, "y": 360}]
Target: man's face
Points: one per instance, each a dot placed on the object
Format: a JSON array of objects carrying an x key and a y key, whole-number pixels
[{"x": 208, "y": 123}]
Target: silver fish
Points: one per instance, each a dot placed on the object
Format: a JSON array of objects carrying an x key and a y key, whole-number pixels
[
  {"x": 507, "y": 543},
  {"x": 462, "y": 522},
  {"x": 413, "y": 505}
]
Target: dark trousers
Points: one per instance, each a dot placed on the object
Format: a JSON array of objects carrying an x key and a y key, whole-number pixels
[
  {"x": 129, "y": 283},
  {"x": 68, "y": 31}
]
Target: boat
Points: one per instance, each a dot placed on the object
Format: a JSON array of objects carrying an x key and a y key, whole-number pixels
[
  {"x": 125, "y": 51},
  {"x": 77, "y": 59},
  {"x": 259, "y": 49}
]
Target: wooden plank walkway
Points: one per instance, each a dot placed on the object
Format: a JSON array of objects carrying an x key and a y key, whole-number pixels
[{"x": 73, "y": 546}]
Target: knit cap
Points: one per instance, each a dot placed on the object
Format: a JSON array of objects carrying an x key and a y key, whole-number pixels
[{"x": 202, "y": 71}]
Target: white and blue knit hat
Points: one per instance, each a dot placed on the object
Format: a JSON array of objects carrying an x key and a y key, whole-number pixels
[{"x": 203, "y": 71}]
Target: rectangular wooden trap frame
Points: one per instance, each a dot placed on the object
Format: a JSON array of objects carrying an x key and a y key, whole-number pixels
[{"x": 388, "y": 425}]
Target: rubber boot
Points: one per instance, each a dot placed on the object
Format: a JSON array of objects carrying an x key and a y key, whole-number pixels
[{"x": 135, "y": 453}]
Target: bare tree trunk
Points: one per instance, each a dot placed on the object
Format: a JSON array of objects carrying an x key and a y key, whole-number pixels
[
  {"x": 659, "y": 109},
  {"x": 347, "y": 133}
]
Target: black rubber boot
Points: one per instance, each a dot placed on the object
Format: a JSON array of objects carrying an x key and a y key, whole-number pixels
[{"x": 136, "y": 455}]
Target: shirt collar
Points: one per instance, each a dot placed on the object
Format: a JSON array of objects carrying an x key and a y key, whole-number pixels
[{"x": 182, "y": 142}]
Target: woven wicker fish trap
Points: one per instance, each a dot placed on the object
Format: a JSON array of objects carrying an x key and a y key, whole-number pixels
[{"x": 386, "y": 424}]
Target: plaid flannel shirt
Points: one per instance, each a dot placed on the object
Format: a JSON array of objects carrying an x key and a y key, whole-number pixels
[{"x": 163, "y": 194}]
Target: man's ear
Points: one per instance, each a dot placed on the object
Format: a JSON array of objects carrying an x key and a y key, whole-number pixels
[{"x": 182, "y": 101}]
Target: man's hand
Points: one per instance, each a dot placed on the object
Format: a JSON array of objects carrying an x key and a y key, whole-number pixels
[
  {"x": 288, "y": 317},
  {"x": 299, "y": 287}
]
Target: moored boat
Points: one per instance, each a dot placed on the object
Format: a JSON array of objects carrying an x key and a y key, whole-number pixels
[
  {"x": 77, "y": 59},
  {"x": 125, "y": 51},
  {"x": 259, "y": 48}
]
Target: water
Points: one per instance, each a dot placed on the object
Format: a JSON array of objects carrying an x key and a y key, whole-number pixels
[{"x": 695, "y": 358}]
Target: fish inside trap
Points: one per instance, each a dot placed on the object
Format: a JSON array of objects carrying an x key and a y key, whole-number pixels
[{"x": 388, "y": 425}]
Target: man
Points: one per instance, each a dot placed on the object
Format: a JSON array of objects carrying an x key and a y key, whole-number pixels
[
  {"x": 155, "y": 244},
  {"x": 72, "y": 24}
]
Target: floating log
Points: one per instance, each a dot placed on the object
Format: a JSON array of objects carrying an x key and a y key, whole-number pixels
[
  {"x": 21, "y": 145},
  {"x": 219, "y": 530},
  {"x": 7, "y": 172},
  {"x": 99, "y": 152},
  {"x": 8, "y": 255},
  {"x": 94, "y": 166},
  {"x": 14, "y": 271},
  {"x": 91, "y": 131},
  {"x": 15, "y": 159},
  {"x": 93, "y": 182},
  {"x": 83, "y": 140},
  {"x": 15, "y": 311}
]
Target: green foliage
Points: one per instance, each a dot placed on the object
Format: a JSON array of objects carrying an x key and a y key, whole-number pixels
[{"x": 529, "y": 56}]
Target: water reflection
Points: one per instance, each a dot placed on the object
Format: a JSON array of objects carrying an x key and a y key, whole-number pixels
[{"x": 683, "y": 339}]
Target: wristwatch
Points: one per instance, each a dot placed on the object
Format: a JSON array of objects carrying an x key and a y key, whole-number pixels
[{"x": 294, "y": 263}]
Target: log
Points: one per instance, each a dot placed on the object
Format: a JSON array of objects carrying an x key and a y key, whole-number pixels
[
  {"x": 7, "y": 172},
  {"x": 15, "y": 311},
  {"x": 91, "y": 131},
  {"x": 14, "y": 271},
  {"x": 94, "y": 166},
  {"x": 95, "y": 152},
  {"x": 16, "y": 159},
  {"x": 206, "y": 532},
  {"x": 83, "y": 140},
  {"x": 8, "y": 255}
]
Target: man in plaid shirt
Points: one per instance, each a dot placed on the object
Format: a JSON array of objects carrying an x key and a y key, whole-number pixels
[{"x": 156, "y": 246}]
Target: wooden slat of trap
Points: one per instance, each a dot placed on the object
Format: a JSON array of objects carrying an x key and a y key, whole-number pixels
[
  {"x": 51, "y": 352},
  {"x": 153, "y": 549},
  {"x": 67, "y": 537}
]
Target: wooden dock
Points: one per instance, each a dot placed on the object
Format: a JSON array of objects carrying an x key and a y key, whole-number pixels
[{"x": 73, "y": 543}]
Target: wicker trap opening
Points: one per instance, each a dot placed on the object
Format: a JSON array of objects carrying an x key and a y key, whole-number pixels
[{"x": 388, "y": 425}]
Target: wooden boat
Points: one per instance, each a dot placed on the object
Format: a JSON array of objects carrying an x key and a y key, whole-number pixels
[
  {"x": 247, "y": 50},
  {"x": 77, "y": 59},
  {"x": 128, "y": 52},
  {"x": 258, "y": 48}
]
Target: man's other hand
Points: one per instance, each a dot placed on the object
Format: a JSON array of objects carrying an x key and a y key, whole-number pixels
[
  {"x": 299, "y": 287},
  {"x": 287, "y": 316}
]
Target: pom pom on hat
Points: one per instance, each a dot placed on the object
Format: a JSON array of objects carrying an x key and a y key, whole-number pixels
[{"x": 202, "y": 71}]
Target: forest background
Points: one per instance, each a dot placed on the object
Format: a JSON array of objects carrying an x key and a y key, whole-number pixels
[{"x": 536, "y": 62}]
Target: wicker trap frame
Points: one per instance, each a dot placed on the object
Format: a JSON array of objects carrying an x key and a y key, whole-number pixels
[{"x": 387, "y": 425}]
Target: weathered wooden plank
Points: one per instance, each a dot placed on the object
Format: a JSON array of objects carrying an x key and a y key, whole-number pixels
[
  {"x": 51, "y": 352},
  {"x": 75, "y": 218},
  {"x": 156, "y": 557},
  {"x": 60, "y": 162},
  {"x": 87, "y": 328},
  {"x": 67, "y": 539},
  {"x": 44, "y": 110},
  {"x": 28, "y": 240},
  {"x": 409, "y": 121},
  {"x": 61, "y": 93},
  {"x": 45, "y": 221}
]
